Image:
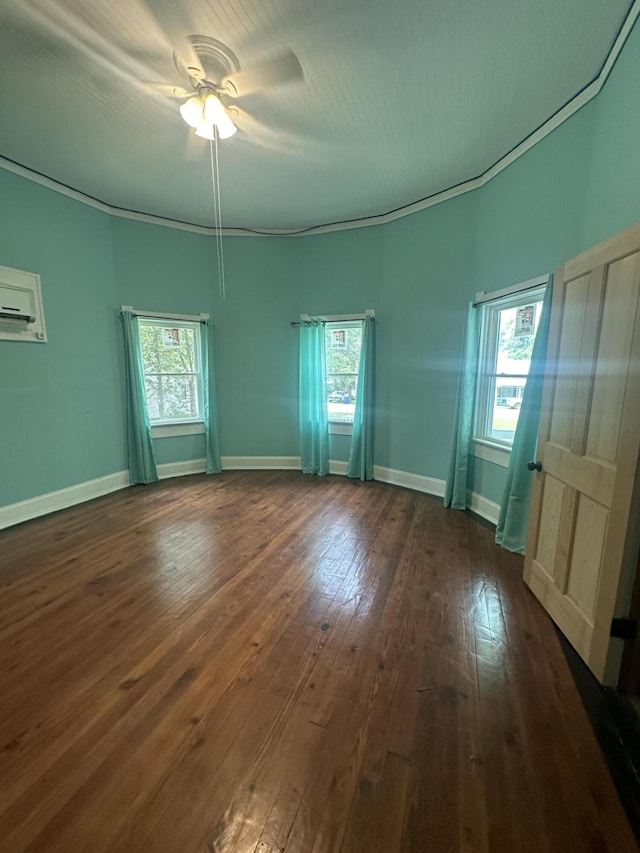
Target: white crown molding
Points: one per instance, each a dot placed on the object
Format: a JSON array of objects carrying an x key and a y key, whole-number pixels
[
  {"x": 62, "y": 498},
  {"x": 582, "y": 98}
]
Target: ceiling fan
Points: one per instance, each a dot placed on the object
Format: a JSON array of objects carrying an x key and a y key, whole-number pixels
[
  {"x": 216, "y": 79},
  {"x": 211, "y": 80}
]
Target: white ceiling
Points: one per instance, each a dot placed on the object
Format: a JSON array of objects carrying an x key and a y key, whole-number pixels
[{"x": 399, "y": 100}]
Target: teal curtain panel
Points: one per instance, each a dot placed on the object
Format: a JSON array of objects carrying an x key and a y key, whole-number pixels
[
  {"x": 142, "y": 463},
  {"x": 314, "y": 422},
  {"x": 511, "y": 530},
  {"x": 360, "y": 464},
  {"x": 455, "y": 494},
  {"x": 209, "y": 400}
]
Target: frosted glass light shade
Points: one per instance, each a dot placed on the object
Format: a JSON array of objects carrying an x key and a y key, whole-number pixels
[
  {"x": 205, "y": 130},
  {"x": 226, "y": 127},
  {"x": 213, "y": 109},
  {"x": 215, "y": 113},
  {"x": 191, "y": 111}
]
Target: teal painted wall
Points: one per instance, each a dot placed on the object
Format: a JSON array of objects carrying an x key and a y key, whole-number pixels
[
  {"x": 529, "y": 221},
  {"x": 339, "y": 273},
  {"x": 61, "y": 413},
  {"x": 613, "y": 179},
  {"x": 530, "y": 216},
  {"x": 61, "y": 402},
  {"x": 165, "y": 270},
  {"x": 486, "y": 479},
  {"x": 257, "y": 349},
  {"x": 428, "y": 274},
  {"x": 578, "y": 186}
]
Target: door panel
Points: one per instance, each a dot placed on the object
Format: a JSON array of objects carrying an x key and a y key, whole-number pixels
[
  {"x": 578, "y": 556},
  {"x": 586, "y": 475},
  {"x": 586, "y": 558},
  {"x": 569, "y": 345},
  {"x": 550, "y": 525},
  {"x": 614, "y": 352}
]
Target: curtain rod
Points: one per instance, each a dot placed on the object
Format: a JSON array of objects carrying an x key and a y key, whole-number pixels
[
  {"x": 158, "y": 315},
  {"x": 307, "y": 320},
  {"x": 532, "y": 284}
]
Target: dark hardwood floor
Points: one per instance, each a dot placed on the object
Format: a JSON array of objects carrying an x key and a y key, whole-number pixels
[{"x": 261, "y": 662}]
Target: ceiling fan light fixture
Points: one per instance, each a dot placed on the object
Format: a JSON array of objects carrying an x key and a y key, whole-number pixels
[
  {"x": 213, "y": 109},
  {"x": 205, "y": 130},
  {"x": 215, "y": 112},
  {"x": 215, "y": 115},
  {"x": 226, "y": 127},
  {"x": 192, "y": 111}
]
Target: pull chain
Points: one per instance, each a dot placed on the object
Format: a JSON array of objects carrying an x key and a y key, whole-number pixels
[{"x": 217, "y": 213}]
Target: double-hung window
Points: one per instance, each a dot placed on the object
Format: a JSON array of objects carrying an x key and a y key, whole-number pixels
[
  {"x": 508, "y": 326},
  {"x": 342, "y": 349},
  {"x": 171, "y": 359},
  {"x": 342, "y": 345}
]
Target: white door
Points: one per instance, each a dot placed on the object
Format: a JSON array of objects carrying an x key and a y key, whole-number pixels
[{"x": 584, "y": 522}]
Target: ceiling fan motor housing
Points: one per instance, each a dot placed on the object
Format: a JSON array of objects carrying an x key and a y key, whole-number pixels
[{"x": 218, "y": 61}]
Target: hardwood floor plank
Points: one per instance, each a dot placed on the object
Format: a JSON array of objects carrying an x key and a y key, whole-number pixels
[
  {"x": 266, "y": 662},
  {"x": 390, "y": 822},
  {"x": 87, "y": 668},
  {"x": 195, "y": 648},
  {"x": 276, "y": 682}
]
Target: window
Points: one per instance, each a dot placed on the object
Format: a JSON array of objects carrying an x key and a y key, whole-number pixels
[
  {"x": 508, "y": 329},
  {"x": 342, "y": 348},
  {"x": 172, "y": 371}
]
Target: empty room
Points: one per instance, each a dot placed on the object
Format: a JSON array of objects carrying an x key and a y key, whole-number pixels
[{"x": 319, "y": 426}]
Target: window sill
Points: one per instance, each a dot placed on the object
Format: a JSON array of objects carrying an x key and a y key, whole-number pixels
[
  {"x": 340, "y": 428},
  {"x": 171, "y": 430},
  {"x": 498, "y": 454}
]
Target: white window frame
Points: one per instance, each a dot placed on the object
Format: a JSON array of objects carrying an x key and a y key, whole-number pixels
[
  {"x": 190, "y": 426},
  {"x": 340, "y": 427},
  {"x": 485, "y": 446}
]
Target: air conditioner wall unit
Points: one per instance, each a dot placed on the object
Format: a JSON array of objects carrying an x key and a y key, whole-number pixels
[
  {"x": 21, "y": 312},
  {"x": 17, "y": 303}
]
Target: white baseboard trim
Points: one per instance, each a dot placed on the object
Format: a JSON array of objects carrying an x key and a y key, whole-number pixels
[
  {"x": 181, "y": 469},
  {"x": 417, "y": 482},
  {"x": 260, "y": 463},
  {"x": 431, "y": 486},
  {"x": 62, "y": 498},
  {"x": 244, "y": 463},
  {"x": 484, "y": 507},
  {"x": 72, "y": 495}
]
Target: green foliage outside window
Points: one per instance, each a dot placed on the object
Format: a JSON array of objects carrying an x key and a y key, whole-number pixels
[
  {"x": 171, "y": 367},
  {"x": 342, "y": 362},
  {"x": 514, "y": 346}
]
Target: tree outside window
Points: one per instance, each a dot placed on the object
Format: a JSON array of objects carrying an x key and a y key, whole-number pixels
[
  {"x": 172, "y": 375},
  {"x": 342, "y": 347}
]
